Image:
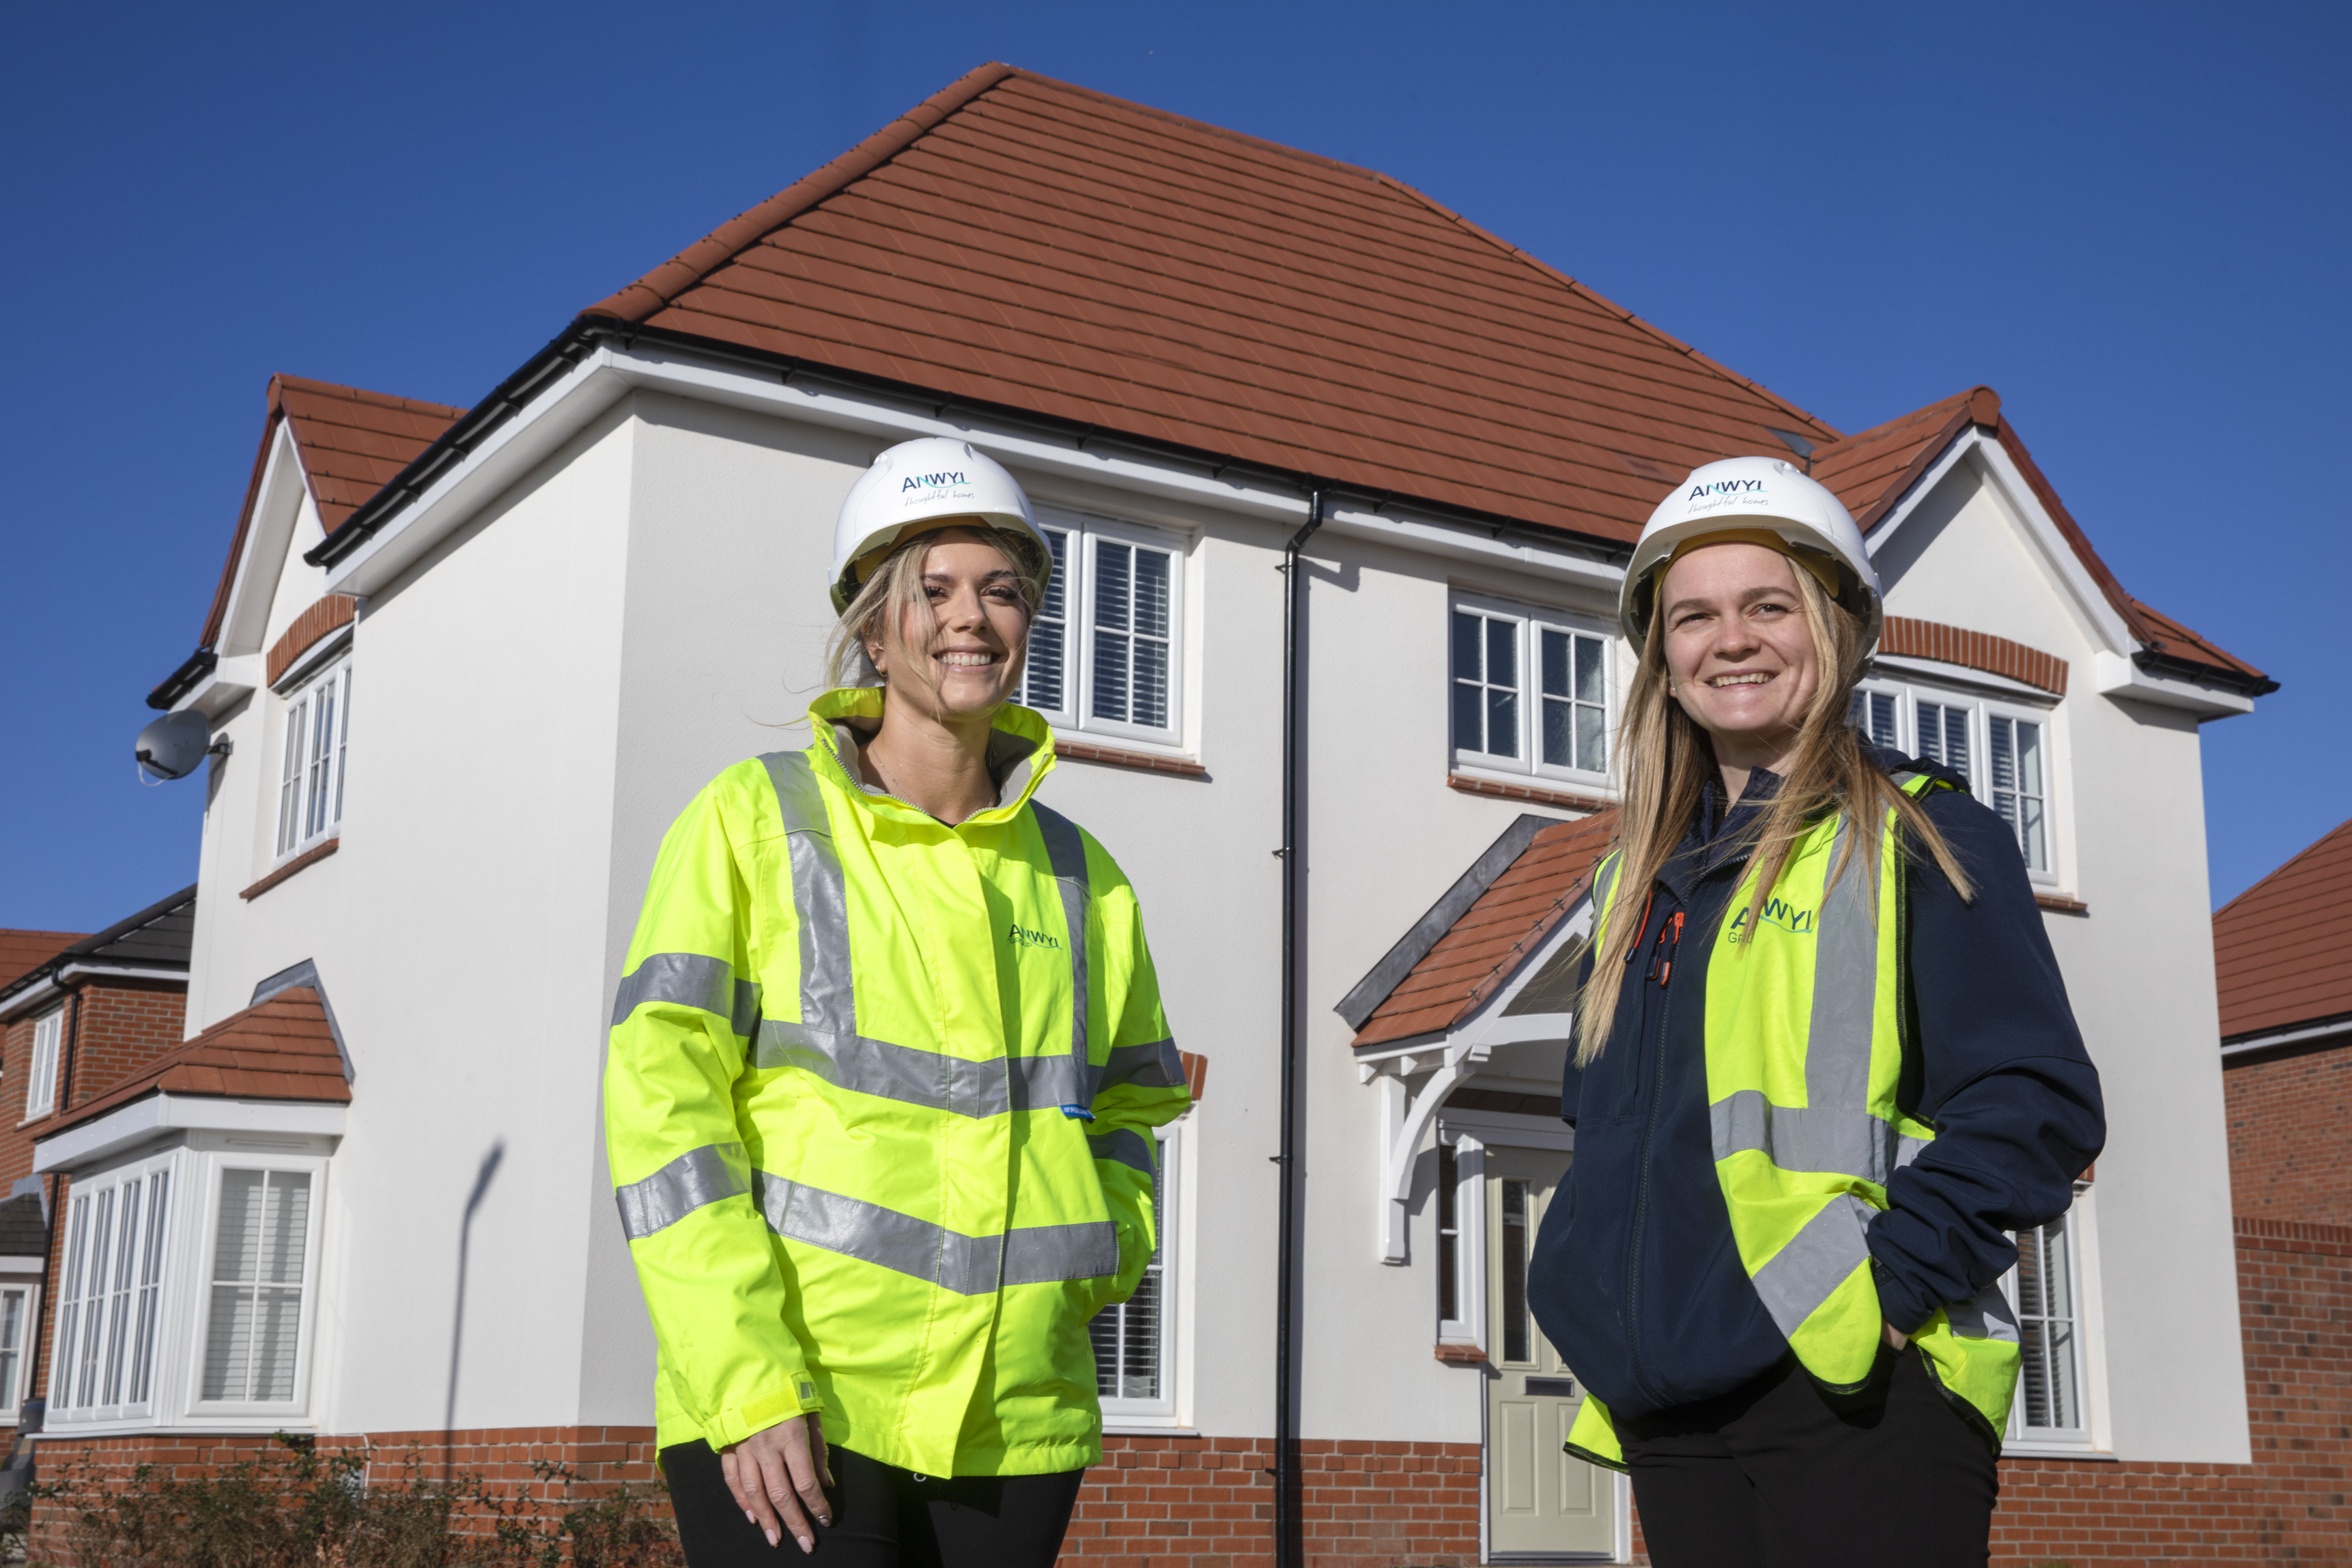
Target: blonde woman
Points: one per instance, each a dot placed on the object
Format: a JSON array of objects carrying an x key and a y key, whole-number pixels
[
  {"x": 884, "y": 1068},
  {"x": 1824, "y": 1065}
]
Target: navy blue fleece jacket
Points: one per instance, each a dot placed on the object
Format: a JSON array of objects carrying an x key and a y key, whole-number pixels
[{"x": 1636, "y": 1278}]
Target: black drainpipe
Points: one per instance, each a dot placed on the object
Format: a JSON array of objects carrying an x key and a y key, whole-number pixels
[{"x": 1287, "y": 1540}]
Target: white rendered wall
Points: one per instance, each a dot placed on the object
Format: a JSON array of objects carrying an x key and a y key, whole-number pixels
[{"x": 2139, "y": 972}]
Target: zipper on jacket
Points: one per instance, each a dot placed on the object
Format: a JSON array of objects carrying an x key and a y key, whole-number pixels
[{"x": 1662, "y": 969}]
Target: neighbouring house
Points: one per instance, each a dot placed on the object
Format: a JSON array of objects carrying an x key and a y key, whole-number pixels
[
  {"x": 77, "y": 1014},
  {"x": 577, "y": 602}
]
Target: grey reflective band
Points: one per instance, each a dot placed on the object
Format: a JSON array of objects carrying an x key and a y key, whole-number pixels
[
  {"x": 690, "y": 980},
  {"x": 1126, "y": 1146},
  {"x": 914, "y": 1077},
  {"x": 1065, "y": 848},
  {"x": 968, "y": 1265},
  {"x": 1988, "y": 1316},
  {"x": 1798, "y": 1278},
  {"x": 1154, "y": 1065},
  {"x": 820, "y": 895},
  {"x": 1846, "y": 985},
  {"x": 1797, "y": 1138},
  {"x": 696, "y": 1177}
]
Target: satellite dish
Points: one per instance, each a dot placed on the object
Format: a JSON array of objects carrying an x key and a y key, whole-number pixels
[{"x": 175, "y": 745}]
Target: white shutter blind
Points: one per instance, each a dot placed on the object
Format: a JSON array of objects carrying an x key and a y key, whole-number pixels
[
  {"x": 258, "y": 1249},
  {"x": 1129, "y": 1337},
  {"x": 1045, "y": 674},
  {"x": 1131, "y": 633}
]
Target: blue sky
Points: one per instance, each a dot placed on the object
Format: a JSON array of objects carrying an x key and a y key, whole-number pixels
[{"x": 2130, "y": 220}]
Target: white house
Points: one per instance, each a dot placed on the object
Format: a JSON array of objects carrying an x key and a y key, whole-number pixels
[{"x": 471, "y": 663}]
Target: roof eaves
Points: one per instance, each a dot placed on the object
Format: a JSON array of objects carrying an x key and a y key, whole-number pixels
[{"x": 100, "y": 939}]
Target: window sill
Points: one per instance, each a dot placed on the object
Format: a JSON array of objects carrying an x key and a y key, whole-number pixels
[
  {"x": 2058, "y": 904},
  {"x": 1132, "y": 1429},
  {"x": 309, "y": 857},
  {"x": 1119, "y": 756},
  {"x": 1533, "y": 795},
  {"x": 2021, "y": 1449},
  {"x": 1461, "y": 1354}
]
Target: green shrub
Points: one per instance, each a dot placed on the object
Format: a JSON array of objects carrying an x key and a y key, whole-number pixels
[{"x": 289, "y": 1507}]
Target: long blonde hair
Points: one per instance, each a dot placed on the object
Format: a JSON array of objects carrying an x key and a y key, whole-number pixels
[
  {"x": 1664, "y": 760},
  {"x": 893, "y": 595}
]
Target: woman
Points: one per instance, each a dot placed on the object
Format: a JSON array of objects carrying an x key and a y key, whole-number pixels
[
  {"x": 882, "y": 1076},
  {"x": 1824, "y": 1064}
]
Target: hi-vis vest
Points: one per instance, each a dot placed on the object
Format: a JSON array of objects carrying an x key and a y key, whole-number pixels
[
  {"x": 1803, "y": 1052},
  {"x": 879, "y": 1106}
]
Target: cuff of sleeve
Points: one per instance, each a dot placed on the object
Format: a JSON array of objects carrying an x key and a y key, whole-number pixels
[
  {"x": 737, "y": 1422},
  {"x": 1899, "y": 1305}
]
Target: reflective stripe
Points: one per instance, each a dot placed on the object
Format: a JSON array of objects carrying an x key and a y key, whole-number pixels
[
  {"x": 1845, "y": 987},
  {"x": 690, "y": 980},
  {"x": 1126, "y": 1146},
  {"x": 696, "y": 1177},
  {"x": 916, "y": 1077},
  {"x": 1066, "y": 850},
  {"x": 820, "y": 895},
  {"x": 1795, "y": 1138},
  {"x": 1816, "y": 1261},
  {"x": 1156, "y": 1065},
  {"x": 1988, "y": 1316},
  {"x": 968, "y": 1265}
]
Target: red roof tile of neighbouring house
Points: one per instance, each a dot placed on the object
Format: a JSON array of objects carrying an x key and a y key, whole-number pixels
[
  {"x": 1019, "y": 241},
  {"x": 2283, "y": 948},
  {"x": 1483, "y": 947},
  {"x": 351, "y": 443},
  {"x": 24, "y": 950},
  {"x": 282, "y": 1049}
]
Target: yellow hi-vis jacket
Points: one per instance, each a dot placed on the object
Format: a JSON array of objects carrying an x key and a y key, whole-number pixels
[
  {"x": 1803, "y": 1052},
  {"x": 878, "y": 1108}
]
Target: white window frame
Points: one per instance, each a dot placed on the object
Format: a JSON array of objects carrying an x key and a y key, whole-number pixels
[
  {"x": 1087, "y": 534},
  {"x": 28, "y": 1311},
  {"x": 41, "y": 1069},
  {"x": 309, "y": 782},
  {"x": 2093, "y": 1435},
  {"x": 1981, "y": 710},
  {"x": 1469, "y": 1328},
  {"x": 93, "y": 1355},
  {"x": 1533, "y": 621},
  {"x": 185, "y": 1289},
  {"x": 1163, "y": 1412}
]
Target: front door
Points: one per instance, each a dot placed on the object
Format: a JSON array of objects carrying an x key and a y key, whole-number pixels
[{"x": 1540, "y": 1502}]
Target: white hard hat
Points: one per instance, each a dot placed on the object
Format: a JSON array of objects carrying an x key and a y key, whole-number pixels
[
  {"x": 1755, "y": 494},
  {"x": 924, "y": 482}
]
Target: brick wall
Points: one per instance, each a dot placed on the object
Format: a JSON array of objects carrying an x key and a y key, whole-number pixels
[
  {"x": 2290, "y": 1150},
  {"x": 1208, "y": 1502}
]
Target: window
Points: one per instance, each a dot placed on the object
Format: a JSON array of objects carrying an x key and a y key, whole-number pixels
[
  {"x": 109, "y": 1301},
  {"x": 2003, "y": 753},
  {"x": 1449, "y": 1235},
  {"x": 1528, "y": 693},
  {"x": 1134, "y": 1340},
  {"x": 2046, "y": 1290},
  {"x": 1515, "y": 1333},
  {"x": 16, "y": 1325},
  {"x": 41, "y": 1078},
  {"x": 1105, "y": 646},
  {"x": 311, "y": 767},
  {"x": 254, "y": 1326}
]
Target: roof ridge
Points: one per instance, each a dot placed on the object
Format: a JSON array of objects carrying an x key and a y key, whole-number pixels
[
  {"x": 357, "y": 394},
  {"x": 1597, "y": 298},
  {"x": 1224, "y": 132},
  {"x": 2282, "y": 868},
  {"x": 638, "y": 299}
]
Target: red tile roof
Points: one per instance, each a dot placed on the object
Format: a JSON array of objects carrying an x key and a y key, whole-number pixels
[
  {"x": 282, "y": 1049},
  {"x": 23, "y": 950},
  {"x": 1020, "y": 241},
  {"x": 2283, "y": 948},
  {"x": 351, "y": 443},
  {"x": 1486, "y": 946},
  {"x": 1872, "y": 471}
]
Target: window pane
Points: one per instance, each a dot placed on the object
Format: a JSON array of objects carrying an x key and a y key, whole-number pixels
[
  {"x": 1469, "y": 718},
  {"x": 1128, "y": 1336},
  {"x": 289, "y": 780},
  {"x": 1515, "y": 1271},
  {"x": 118, "y": 1295},
  {"x": 1591, "y": 738},
  {"x": 343, "y": 746},
  {"x": 1449, "y": 1308},
  {"x": 2046, "y": 1301},
  {"x": 1042, "y": 668},
  {"x": 1152, "y": 570},
  {"x": 2029, "y": 759},
  {"x": 12, "y": 1333},
  {"x": 69, "y": 1302},
  {"x": 1150, "y": 683},
  {"x": 2000, "y": 733},
  {"x": 1558, "y": 744},
  {"x": 1502, "y": 654},
  {"x": 1057, "y": 585},
  {"x": 1110, "y": 675},
  {"x": 251, "y": 1339},
  {"x": 1114, "y": 584},
  {"x": 2031, "y": 836},
  {"x": 1592, "y": 685},
  {"x": 1502, "y": 722},
  {"x": 322, "y": 757},
  {"x": 1554, "y": 646},
  {"x": 237, "y": 1261},
  {"x": 1466, "y": 664},
  {"x": 151, "y": 1289},
  {"x": 93, "y": 1326}
]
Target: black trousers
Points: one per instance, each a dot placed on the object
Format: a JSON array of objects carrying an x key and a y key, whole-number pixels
[
  {"x": 883, "y": 1516},
  {"x": 1779, "y": 1474}
]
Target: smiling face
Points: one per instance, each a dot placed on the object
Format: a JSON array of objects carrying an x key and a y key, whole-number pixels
[
  {"x": 1739, "y": 649},
  {"x": 958, "y": 650}
]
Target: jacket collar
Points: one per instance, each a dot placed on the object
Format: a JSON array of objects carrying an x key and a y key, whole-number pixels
[{"x": 1020, "y": 754}]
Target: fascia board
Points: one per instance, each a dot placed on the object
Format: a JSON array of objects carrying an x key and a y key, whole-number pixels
[
  {"x": 18, "y": 1263},
  {"x": 2294, "y": 1034},
  {"x": 123, "y": 972},
  {"x": 2119, "y": 677},
  {"x": 232, "y": 680},
  {"x": 29, "y": 1001},
  {"x": 1921, "y": 488},
  {"x": 130, "y": 1125},
  {"x": 276, "y": 512}
]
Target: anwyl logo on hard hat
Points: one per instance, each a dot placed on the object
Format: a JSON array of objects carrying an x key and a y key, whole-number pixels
[
  {"x": 1725, "y": 488},
  {"x": 926, "y": 482}
]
